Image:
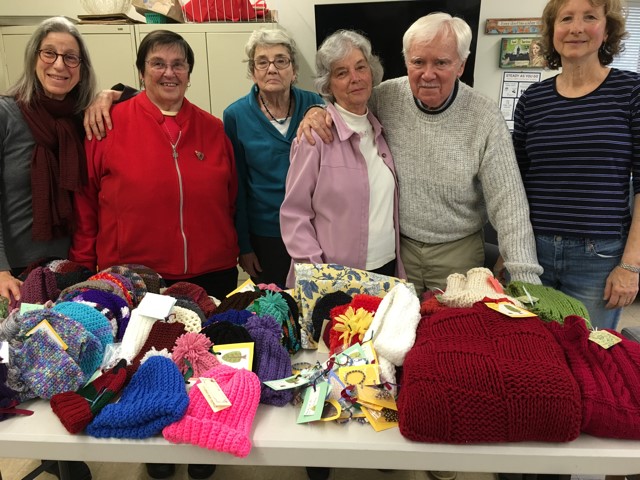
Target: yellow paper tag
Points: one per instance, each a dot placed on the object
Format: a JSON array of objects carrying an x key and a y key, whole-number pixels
[
  {"x": 603, "y": 338},
  {"x": 49, "y": 330},
  {"x": 360, "y": 375},
  {"x": 376, "y": 396},
  {"x": 213, "y": 394},
  {"x": 378, "y": 420},
  {"x": 510, "y": 310}
]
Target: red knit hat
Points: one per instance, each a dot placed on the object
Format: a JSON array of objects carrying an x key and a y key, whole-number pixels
[
  {"x": 195, "y": 292},
  {"x": 475, "y": 375},
  {"x": 609, "y": 379}
]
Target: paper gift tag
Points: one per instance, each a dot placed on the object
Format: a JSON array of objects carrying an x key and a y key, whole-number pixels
[
  {"x": 381, "y": 420},
  {"x": 510, "y": 310},
  {"x": 28, "y": 307},
  {"x": 313, "y": 403},
  {"x": 213, "y": 394},
  {"x": 360, "y": 375},
  {"x": 49, "y": 330},
  {"x": 603, "y": 338},
  {"x": 376, "y": 396},
  {"x": 156, "y": 306}
]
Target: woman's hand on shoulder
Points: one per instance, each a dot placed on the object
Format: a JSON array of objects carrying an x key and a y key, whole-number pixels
[
  {"x": 9, "y": 285},
  {"x": 97, "y": 116},
  {"x": 318, "y": 120}
]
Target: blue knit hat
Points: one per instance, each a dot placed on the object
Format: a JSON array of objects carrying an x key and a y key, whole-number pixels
[
  {"x": 90, "y": 318},
  {"x": 237, "y": 317},
  {"x": 115, "y": 308},
  {"x": 155, "y": 397}
]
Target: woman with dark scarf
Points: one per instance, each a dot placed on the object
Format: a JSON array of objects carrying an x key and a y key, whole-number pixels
[{"x": 42, "y": 160}]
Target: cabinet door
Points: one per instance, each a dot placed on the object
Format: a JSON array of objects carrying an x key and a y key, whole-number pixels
[{"x": 227, "y": 69}]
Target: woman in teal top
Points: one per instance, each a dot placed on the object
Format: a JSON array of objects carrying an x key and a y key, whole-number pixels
[{"x": 261, "y": 126}]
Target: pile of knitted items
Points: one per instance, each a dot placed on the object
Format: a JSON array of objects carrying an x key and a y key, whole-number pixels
[
  {"x": 227, "y": 430},
  {"x": 609, "y": 379},
  {"x": 479, "y": 284},
  {"x": 274, "y": 305},
  {"x": 549, "y": 304},
  {"x": 477, "y": 376}
]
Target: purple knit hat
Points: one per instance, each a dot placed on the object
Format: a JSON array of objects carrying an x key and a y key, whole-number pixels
[
  {"x": 271, "y": 359},
  {"x": 115, "y": 308}
]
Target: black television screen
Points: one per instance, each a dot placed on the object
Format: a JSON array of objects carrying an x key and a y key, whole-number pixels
[{"x": 384, "y": 23}]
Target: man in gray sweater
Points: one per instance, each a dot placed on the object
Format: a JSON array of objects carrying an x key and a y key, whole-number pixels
[{"x": 454, "y": 160}]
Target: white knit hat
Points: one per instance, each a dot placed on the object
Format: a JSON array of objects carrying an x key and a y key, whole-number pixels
[
  {"x": 135, "y": 335},
  {"x": 188, "y": 318},
  {"x": 463, "y": 292},
  {"x": 394, "y": 329}
]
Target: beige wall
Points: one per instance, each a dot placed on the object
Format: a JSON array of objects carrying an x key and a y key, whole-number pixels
[{"x": 297, "y": 16}]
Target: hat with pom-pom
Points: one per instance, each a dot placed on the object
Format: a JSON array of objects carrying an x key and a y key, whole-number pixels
[
  {"x": 227, "y": 430},
  {"x": 195, "y": 292},
  {"x": 274, "y": 305},
  {"x": 271, "y": 360},
  {"x": 193, "y": 351},
  {"x": 155, "y": 398}
]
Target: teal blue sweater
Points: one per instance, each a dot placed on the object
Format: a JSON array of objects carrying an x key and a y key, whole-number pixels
[{"x": 262, "y": 160}]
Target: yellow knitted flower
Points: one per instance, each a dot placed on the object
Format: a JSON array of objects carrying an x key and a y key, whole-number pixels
[{"x": 352, "y": 324}]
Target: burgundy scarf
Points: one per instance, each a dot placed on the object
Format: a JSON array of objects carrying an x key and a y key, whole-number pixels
[{"x": 58, "y": 164}]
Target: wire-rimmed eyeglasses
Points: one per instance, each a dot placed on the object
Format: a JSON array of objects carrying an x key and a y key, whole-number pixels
[{"x": 49, "y": 56}]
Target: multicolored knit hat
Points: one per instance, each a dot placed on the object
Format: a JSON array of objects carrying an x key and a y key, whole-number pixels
[
  {"x": 193, "y": 306},
  {"x": 274, "y": 305},
  {"x": 77, "y": 409},
  {"x": 121, "y": 282},
  {"x": 74, "y": 290},
  {"x": 138, "y": 285},
  {"x": 155, "y": 398},
  {"x": 271, "y": 360},
  {"x": 228, "y": 430},
  {"x": 551, "y": 305},
  {"x": 90, "y": 318},
  {"x": 194, "y": 349},
  {"x": 609, "y": 379},
  {"x": 464, "y": 291},
  {"x": 477, "y": 376},
  {"x": 194, "y": 292},
  {"x": 363, "y": 301},
  {"x": 152, "y": 279}
]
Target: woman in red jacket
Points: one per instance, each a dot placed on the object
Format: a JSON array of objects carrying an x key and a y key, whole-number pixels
[{"x": 162, "y": 185}]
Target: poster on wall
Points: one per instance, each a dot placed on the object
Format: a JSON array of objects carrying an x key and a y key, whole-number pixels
[
  {"x": 521, "y": 52},
  {"x": 512, "y": 87},
  {"x": 508, "y": 26}
]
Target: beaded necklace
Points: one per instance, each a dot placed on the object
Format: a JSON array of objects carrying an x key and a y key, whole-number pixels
[{"x": 281, "y": 122}]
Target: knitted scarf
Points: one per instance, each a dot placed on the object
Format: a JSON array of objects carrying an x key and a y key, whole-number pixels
[{"x": 58, "y": 164}]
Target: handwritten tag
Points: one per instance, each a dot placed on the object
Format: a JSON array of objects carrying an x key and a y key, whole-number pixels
[
  {"x": 313, "y": 403},
  {"x": 603, "y": 338},
  {"x": 510, "y": 310},
  {"x": 213, "y": 394}
]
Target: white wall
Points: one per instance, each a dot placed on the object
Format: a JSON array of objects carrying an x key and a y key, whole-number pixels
[{"x": 297, "y": 16}]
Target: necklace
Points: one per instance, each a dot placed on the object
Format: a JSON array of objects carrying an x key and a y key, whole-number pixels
[
  {"x": 281, "y": 122},
  {"x": 174, "y": 146}
]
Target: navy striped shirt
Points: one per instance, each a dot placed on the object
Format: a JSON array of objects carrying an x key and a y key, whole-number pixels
[{"x": 576, "y": 156}]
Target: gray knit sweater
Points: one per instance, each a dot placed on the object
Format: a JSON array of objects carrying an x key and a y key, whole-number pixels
[
  {"x": 455, "y": 169},
  {"x": 17, "y": 249}
]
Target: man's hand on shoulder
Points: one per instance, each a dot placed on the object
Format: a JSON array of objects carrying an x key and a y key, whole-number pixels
[{"x": 318, "y": 120}]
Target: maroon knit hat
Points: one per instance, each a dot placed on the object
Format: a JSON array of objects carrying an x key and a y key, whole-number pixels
[
  {"x": 475, "y": 375},
  {"x": 239, "y": 301},
  {"x": 162, "y": 335},
  {"x": 609, "y": 379},
  {"x": 39, "y": 286},
  {"x": 195, "y": 292}
]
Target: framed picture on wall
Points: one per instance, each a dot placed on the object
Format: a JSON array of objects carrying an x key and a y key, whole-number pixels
[
  {"x": 521, "y": 52},
  {"x": 508, "y": 26}
]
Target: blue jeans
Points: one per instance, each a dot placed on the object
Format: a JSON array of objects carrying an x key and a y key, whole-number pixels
[{"x": 579, "y": 267}]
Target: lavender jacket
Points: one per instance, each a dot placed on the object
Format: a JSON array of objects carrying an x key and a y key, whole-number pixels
[{"x": 324, "y": 217}]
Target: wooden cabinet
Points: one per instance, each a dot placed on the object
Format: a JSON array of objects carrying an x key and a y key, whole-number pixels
[{"x": 219, "y": 76}]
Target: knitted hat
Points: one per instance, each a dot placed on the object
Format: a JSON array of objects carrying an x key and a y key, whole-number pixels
[
  {"x": 552, "y": 305},
  {"x": 194, "y": 348},
  {"x": 8, "y": 398},
  {"x": 162, "y": 335},
  {"x": 274, "y": 305},
  {"x": 227, "y": 430},
  {"x": 477, "y": 376},
  {"x": 394, "y": 329},
  {"x": 363, "y": 301},
  {"x": 271, "y": 360},
  {"x": 348, "y": 328},
  {"x": 119, "y": 281},
  {"x": 237, "y": 317},
  {"x": 188, "y": 318},
  {"x": 152, "y": 279},
  {"x": 39, "y": 286},
  {"x": 114, "y": 308},
  {"x": 135, "y": 335},
  {"x": 321, "y": 311},
  {"x": 224, "y": 333},
  {"x": 90, "y": 318},
  {"x": 155, "y": 398},
  {"x": 194, "y": 292},
  {"x": 239, "y": 301},
  {"x": 76, "y": 410},
  {"x": 4, "y": 307},
  {"x": 47, "y": 369},
  {"x": 609, "y": 379},
  {"x": 70, "y": 292},
  {"x": 138, "y": 285},
  {"x": 188, "y": 303},
  {"x": 476, "y": 286}
]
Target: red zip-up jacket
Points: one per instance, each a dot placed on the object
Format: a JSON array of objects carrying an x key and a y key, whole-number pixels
[{"x": 171, "y": 209}]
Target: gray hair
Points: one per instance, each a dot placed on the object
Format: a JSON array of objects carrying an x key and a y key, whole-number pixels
[
  {"x": 28, "y": 84},
  {"x": 334, "y": 48},
  {"x": 271, "y": 37},
  {"x": 426, "y": 28}
]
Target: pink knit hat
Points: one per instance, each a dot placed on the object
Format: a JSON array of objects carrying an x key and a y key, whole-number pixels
[
  {"x": 227, "y": 430},
  {"x": 609, "y": 379}
]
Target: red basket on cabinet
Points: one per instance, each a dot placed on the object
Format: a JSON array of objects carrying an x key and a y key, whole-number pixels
[{"x": 201, "y": 11}]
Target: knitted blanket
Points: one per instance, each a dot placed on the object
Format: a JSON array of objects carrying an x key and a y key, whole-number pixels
[{"x": 475, "y": 375}]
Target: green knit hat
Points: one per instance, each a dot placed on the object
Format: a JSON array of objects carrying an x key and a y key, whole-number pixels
[{"x": 548, "y": 303}]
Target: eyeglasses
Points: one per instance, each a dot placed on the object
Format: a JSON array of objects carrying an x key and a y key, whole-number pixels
[
  {"x": 159, "y": 66},
  {"x": 280, "y": 63},
  {"x": 50, "y": 57}
]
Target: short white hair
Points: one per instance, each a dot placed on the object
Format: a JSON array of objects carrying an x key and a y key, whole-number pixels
[{"x": 426, "y": 28}]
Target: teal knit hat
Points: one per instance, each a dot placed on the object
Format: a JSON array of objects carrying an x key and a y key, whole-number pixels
[{"x": 547, "y": 302}]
